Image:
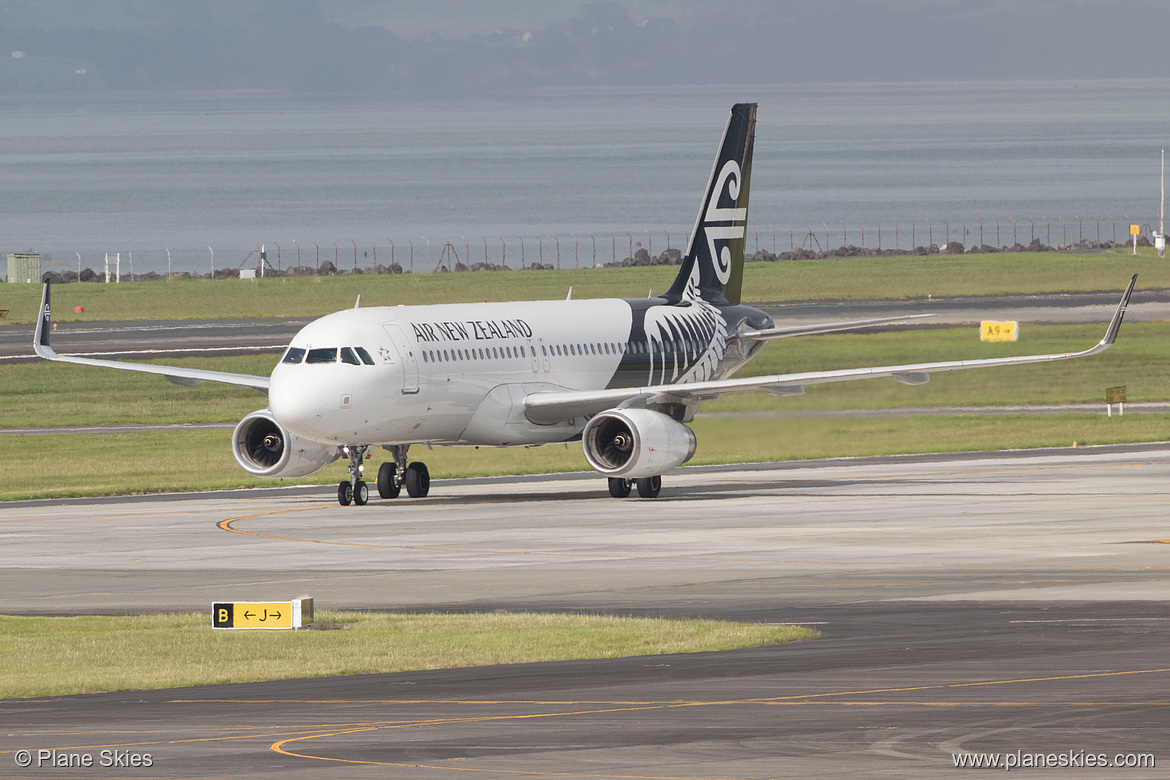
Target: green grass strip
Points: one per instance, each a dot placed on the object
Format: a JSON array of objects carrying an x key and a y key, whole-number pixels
[
  {"x": 57, "y": 656},
  {"x": 67, "y": 465},
  {"x": 845, "y": 278}
]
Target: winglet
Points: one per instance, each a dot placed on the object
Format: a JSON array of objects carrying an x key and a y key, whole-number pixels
[
  {"x": 41, "y": 337},
  {"x": 1115, "y": 323}
]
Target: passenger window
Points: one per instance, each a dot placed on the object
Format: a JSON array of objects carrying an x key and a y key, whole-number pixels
[
  {"x": 347, "y": 356},
  {"x": 294, "y": 355},
  {"x": 323, "y": 355}
]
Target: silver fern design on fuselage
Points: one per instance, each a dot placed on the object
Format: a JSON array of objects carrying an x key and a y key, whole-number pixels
[{"x": 688, "y": 341}]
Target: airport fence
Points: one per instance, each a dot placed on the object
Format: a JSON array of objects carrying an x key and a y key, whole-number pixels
[{"x": 609, "y": 248}]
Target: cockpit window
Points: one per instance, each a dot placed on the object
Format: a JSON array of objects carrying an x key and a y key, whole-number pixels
[
  {"x": 323, "y": 355},
  {"x": 348, "y": 356},
  {"x": 365, "y": 356},
  {"x": 294, "y": 355}
]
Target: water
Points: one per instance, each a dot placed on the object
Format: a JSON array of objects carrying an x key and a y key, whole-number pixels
[{"x": 212, "y": 181}]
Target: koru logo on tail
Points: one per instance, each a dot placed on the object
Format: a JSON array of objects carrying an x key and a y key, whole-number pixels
[{"x": 724, "y": 224}]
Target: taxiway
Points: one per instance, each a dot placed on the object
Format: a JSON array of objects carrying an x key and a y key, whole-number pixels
[{"x": 985, "y": 603}]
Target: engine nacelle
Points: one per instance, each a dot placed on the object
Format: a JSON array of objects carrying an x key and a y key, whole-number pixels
[
  {"x": 636, "y": 443},
  {"x": 264, "y": 449}
]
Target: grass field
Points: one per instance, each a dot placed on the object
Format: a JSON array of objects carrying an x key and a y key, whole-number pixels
[
  {"x": 849, "y": 278},
  {"x": 41, "y": 394},
  {"x": 59, "y": 656}
]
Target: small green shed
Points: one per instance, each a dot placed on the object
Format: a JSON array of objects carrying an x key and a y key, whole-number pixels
[{"x": 24, "y": 267}]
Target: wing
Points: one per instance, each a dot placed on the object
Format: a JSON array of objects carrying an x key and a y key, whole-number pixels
[
  {"x": 180, "y": 376},
  {"x": 546, "y": 408}
]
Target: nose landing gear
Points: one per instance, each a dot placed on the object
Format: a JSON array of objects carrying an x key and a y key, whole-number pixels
[
  {"x": 392, "y": 476},
  {"x": 355, "y": 491}
]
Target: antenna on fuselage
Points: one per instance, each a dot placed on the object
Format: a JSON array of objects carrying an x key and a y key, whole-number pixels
[
  {"x": 358, "y": 305},
  {"x": 569, "y": 297}
]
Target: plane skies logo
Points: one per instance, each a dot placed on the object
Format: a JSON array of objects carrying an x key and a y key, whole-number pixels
[{"x": 724, "y": 224}]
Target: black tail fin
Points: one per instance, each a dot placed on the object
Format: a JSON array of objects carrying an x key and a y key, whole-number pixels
[
  {"x": 44, "y": 325},
  {"x": 712, "y": 268}
]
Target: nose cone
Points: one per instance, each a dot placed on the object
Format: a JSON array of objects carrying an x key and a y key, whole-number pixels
[{"x": 302, "y": 404}]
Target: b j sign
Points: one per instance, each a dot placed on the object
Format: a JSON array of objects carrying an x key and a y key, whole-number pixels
[{"x": 262, "y": 614}]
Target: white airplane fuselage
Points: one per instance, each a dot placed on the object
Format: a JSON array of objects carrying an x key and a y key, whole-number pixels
[{"x": 458, "y": 373}]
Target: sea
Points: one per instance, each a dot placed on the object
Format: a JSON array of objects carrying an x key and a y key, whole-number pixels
[{"x": 571, "y": 178}]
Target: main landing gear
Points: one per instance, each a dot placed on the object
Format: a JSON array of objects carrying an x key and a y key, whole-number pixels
[
  {"x": 392, "y": 477},
  {"x": 648, "y": 487}
]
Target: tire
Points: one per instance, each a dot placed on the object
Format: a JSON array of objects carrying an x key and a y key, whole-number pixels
[
  {"x": 388, "y": 486},
  {"x": 361, "y": 496},
  {"x": 650, "y": 487},
  {"x": 618, "y": 487},
  {"x": 418, "y": 480},
  {"x": 344, "y": 493}
]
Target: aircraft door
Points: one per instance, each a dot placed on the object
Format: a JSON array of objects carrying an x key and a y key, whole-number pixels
[
  {"x": 406, "y": 353},
  {"x": 538, "y": 350}
]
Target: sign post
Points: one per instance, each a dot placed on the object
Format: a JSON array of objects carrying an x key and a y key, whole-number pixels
[
  {"x": 999, "y": 331},
  {"x": 1115, "y": 395},
  {"x": 1133, "y": 231},
  {"x": 297, "y": 613}
]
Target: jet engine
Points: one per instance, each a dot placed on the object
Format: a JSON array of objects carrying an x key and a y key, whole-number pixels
[
  {"x": 264, "y": 449},
  {"x": 636, "y": 443}
]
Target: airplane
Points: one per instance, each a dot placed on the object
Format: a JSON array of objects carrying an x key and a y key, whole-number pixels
[{"x": 622, "y": 376}]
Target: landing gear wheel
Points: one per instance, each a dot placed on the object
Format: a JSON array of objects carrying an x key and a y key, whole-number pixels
[
  {"x": 650, "y": 487},
  {"x": 345, "y": 493},
  {"x": 388, "y": 484},
  {"x": 418, "y": 480},
  {"x": 618, "y": 487},
  {"x": 361, "y": 495}
]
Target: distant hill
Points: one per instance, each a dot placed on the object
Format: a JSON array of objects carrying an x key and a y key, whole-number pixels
[{"x": 381, "y": 48}]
